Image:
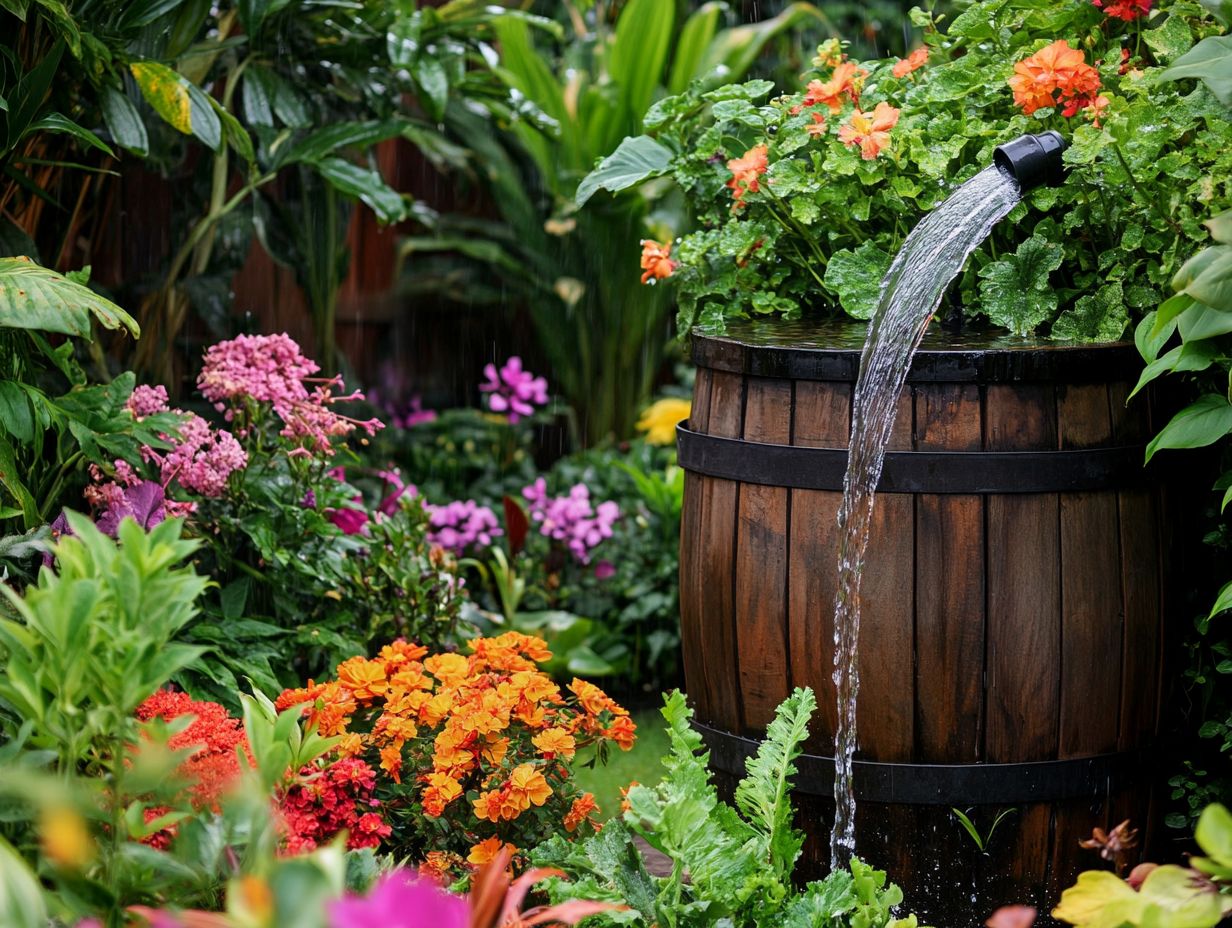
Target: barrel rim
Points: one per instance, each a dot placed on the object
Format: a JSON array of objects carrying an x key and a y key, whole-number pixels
[{"x": 933, "y": 363}]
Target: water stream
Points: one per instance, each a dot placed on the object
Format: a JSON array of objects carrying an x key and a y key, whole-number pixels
[{"x": 911, "y": 290}]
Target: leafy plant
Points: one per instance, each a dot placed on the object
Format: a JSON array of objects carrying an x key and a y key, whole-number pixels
[
  {"x": 730, "y": 866},
  {"x": 981, "y": 839},
  {"x": 803, "y": 198}
]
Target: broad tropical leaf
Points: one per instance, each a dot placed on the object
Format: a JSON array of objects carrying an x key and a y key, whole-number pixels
[{"x": 34, "y": 297}]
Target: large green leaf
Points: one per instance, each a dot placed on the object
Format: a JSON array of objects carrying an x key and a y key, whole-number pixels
[
  {"x": 695, "y": 38},
  {"x": 58, "y": 122},
  {"x": 34, "y": 297},
  {"x": 856, "y": 277},
  {"x": 635, "y": 160},
  {"x": 178, "y": 101},
  {"x": 735, "y": 50},
  {"x": 1211, "y": 62},
  {"x": 639, "y": 53},
  {"x": 365, "y": 185},
  {"x": 1014, "y": 290},
  {"x": 1200, "y": 424},
  {"x": 1207, "y": 277},
  {"x": 322, "y": 142},
  {"x": 124, "y": 121}
]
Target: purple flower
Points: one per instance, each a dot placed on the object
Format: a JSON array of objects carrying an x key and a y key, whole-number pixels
[
  {"x": 513, "y": 390},
  {"x": 309, "y": 501},
  {"x": 605, "y": 570},
  {"x": 458, "y": 525},
  {"x": 351, "y": 521},
  {"x": 389, "y": 505},
  {"x": 571, "y": 519},
  {"x": 401, "y": 900},
  {"x": 143, "y": 502}
]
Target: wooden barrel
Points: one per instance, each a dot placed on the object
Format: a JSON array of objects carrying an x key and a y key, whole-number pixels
[{"x": 1010, "y": 647}]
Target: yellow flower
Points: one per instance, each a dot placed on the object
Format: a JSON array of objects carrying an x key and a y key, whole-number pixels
[
  {"x": 659, "y": 420},
  {"x": 65, "y": 839},
  {"x": 555, "y": 742},
  {"x": 487, "y": 849}
]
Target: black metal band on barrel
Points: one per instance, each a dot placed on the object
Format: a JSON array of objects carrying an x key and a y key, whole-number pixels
[
  {"x": 805, "y": 468},
  {"x": 944, "y": 784}
]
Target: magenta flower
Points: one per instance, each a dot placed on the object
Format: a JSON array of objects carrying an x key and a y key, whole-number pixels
[
  {"x": 147, "y": 401},
  {"x": 389, "y": 505},
  {"x": 143, "y": 502},
  {"x": 512, "y": 390},
  {"x": 605, "y": 570},
  {"x": 571, "y": 519},
  {"x": 401, "y": 900},
  {"x": 203, "y": 459},
  {"x": 351, "y": 521},
  {"x": 458, "y": 525}
]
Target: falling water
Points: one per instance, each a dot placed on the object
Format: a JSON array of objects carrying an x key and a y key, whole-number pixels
[{"x": 911, "y": 290}]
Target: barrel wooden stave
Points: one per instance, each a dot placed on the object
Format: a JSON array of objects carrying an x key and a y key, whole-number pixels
[{"x": 997, "y": 628}]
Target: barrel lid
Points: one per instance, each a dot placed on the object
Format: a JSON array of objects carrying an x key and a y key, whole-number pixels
[{"x": 829, "y": 350}]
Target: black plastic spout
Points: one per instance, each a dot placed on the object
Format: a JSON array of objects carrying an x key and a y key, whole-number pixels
[{"x": 1033, "y": 160}]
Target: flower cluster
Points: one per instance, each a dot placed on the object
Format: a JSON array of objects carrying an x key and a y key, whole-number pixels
[
  {"x": 460, "y": 525},
  {"x": 203, "y": 458},
  {"x": 1128, "y": 10},
  {"x": 572, "y": 518},
  {"x": 478, "y": 746},
  {"x": 1057, "y": 75},
  {"x": 325, "y": 803},
  {"x": 215, "y": 739},
  {"x": 913, "y": 62},
  {"x": 746, "y": 173},
  {"x": 871, "y": 131},
  {"x": 512, "y": 390},
  {"x": 271, "y": 369}
]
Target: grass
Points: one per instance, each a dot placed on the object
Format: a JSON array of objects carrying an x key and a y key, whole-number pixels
[{"x": 642, "y": 764}]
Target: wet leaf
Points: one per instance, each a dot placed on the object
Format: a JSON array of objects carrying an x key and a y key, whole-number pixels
[
  {"x": 1014, "y": 291},
  {"x": 856, "y": 277}
]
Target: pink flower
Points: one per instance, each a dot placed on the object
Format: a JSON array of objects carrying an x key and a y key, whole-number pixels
[
  {"x": 513, "y": 390},
  {"x": 605, "y": 570},
  {"x": 571, "y": 519},
  {"x": 148, "y": 401},
  {"x": 203, "y": 459},
  {"x": 351, "y": 521},
  {"x": 458, "y": 525},
  {"x": 389, "y": 505},
  {"x": 401, "y": 899}
]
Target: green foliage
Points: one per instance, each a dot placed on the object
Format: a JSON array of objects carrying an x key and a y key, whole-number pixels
[
  {"x": 731, "y": 866},
  {"x": 1078, "y": 262}
]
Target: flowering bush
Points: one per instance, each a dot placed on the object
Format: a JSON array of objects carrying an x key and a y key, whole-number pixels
[
  {"x": 475, "y": 750},
  {"x": 323, "y": 803},
  {"x": 513, "y": 391},
  {"x": 571, "y": 519},
  {"x": 802, "y": 199}
]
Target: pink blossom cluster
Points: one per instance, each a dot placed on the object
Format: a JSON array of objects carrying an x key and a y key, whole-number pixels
[
  {"x": 148, "y": 401},
  {"x": 272, "y": 369},
  {"x": 203, "y": 459},
  {"x": 513, "y": 390},
  {"x": 458, "y": 525},
  {"x": 572, "y": 518}
]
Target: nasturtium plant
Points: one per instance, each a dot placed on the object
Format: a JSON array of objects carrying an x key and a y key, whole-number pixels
[{"x": 800, "y": 199}]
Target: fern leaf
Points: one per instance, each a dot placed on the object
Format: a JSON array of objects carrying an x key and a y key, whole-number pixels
[{"x": 763, "y": 796}]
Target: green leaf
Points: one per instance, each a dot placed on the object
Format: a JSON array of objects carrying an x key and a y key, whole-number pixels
[
  {"x": 365, "y": 185},
  {"x": 856, "y": 277},
  {"x": 1223, "y": 601},
  {"x": 15, "y": 415},
  {"x": 1014, "y": 290},
  {"x": 1197, "y": 425},
  {"x": 34, "y": 297},
  {"x": 695, "y": 38},
  {"x": 327, "y": 140},
  {"x": 1170, "y": 40},
  {"x": 635, "y": 160},
  {"x": 735, "y": 50},
  {"x": 178, "y": 101},
  {"x": 1207, "y": 277},
  {"x": 639, "y": 52},
  {"x": 56, "y": 122},
  {"x": 432, "y": 80},
  {"x": 124, "y": 122},
  {"x": 255, "y": 97},
  {"x": 1097, "y": 317},
  {"x": 1220, "y": 227},
  {"x": 1210, "y": 61},
  {"x": 17, "y": 7}
]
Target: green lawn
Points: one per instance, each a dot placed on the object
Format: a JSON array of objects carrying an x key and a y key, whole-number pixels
[{"x": 642, "y": 764}]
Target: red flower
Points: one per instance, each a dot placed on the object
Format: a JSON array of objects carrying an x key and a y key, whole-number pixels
[
  {"x": 1128, "y": 10},
  {"x": 657, "y": 263},
  {"x": 1056, "y": 74}
]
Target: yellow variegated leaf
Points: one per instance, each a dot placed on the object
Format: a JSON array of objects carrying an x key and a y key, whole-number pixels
[
  {"x": 166, "y": 91},
  {"x": 1096, "y": 892}
]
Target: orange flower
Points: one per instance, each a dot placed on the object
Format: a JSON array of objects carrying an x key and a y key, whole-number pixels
[
  {"x": 913, "y": 62},
  {"x": 494, "y": 750},
  {"x": 580, "y": 811},
  {"x": 746, "y": 170},
  {"x": 351, "y": 745},
  {"x": 437, "y": 864},
  {"x": 364, "y": 678},
  {"x": 1096, "y": 110},
  {"x": 871, "y": 131},
  {"x": 450, "y": 669},
  {"x": 593, "y": 699},
  {"x": 657, "y": 263},
  {"x": 442, "y": 790},
  {"x": 391, "y": 761},
  {"x": 624, "y": 796},
  {"x": 1055, "y": 74},
  {"x": 487, "y": 849},
  {"x": 487, "y": 806},
  {"x": 818, "y": 128},
  {"x": 623, "y": 732},
  {"x": 527, "y": 786},
  {"x": 844, "y": 82},
  {"x": 399, "y": 653},
  {"x": 555, "y": 742}
]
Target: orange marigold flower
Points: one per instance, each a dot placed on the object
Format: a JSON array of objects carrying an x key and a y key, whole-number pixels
[
  {"x": 350, "y": 745},
  {"x": 494, "y": 750},
  {"x": 487, "y": 849},
  {"x": 871, "y": 131},
  {"x": 391, "y": 761},
  {"x": 913, "y": 62},
  {"x": 436, "y": 708},
  {"x": 410, "y": 677},
  {"x": 442, "y": 789},
  {"x": 623, "y": 731},
  {"x": 399, "y": 653},
  {"x": 657, "y": 263},
  {"x": 290, "y": 698},
  {"x": 818, "y": 127},
  {"x": 746, "y": 170},
  {"x": 364, "y": 678},
  {"x": 593, "y": 699},
  {"x": 527, "y": 785},
  {"x": 580, "y": 811},
  {"x": 845, "y": 82},
  {"x": 450, "y": 669},
  {"x": 487, "y": 805},
  {"x": 555, "y": 742}
]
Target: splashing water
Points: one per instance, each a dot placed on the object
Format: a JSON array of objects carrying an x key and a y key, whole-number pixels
[{"x": 911, "y": 290}]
